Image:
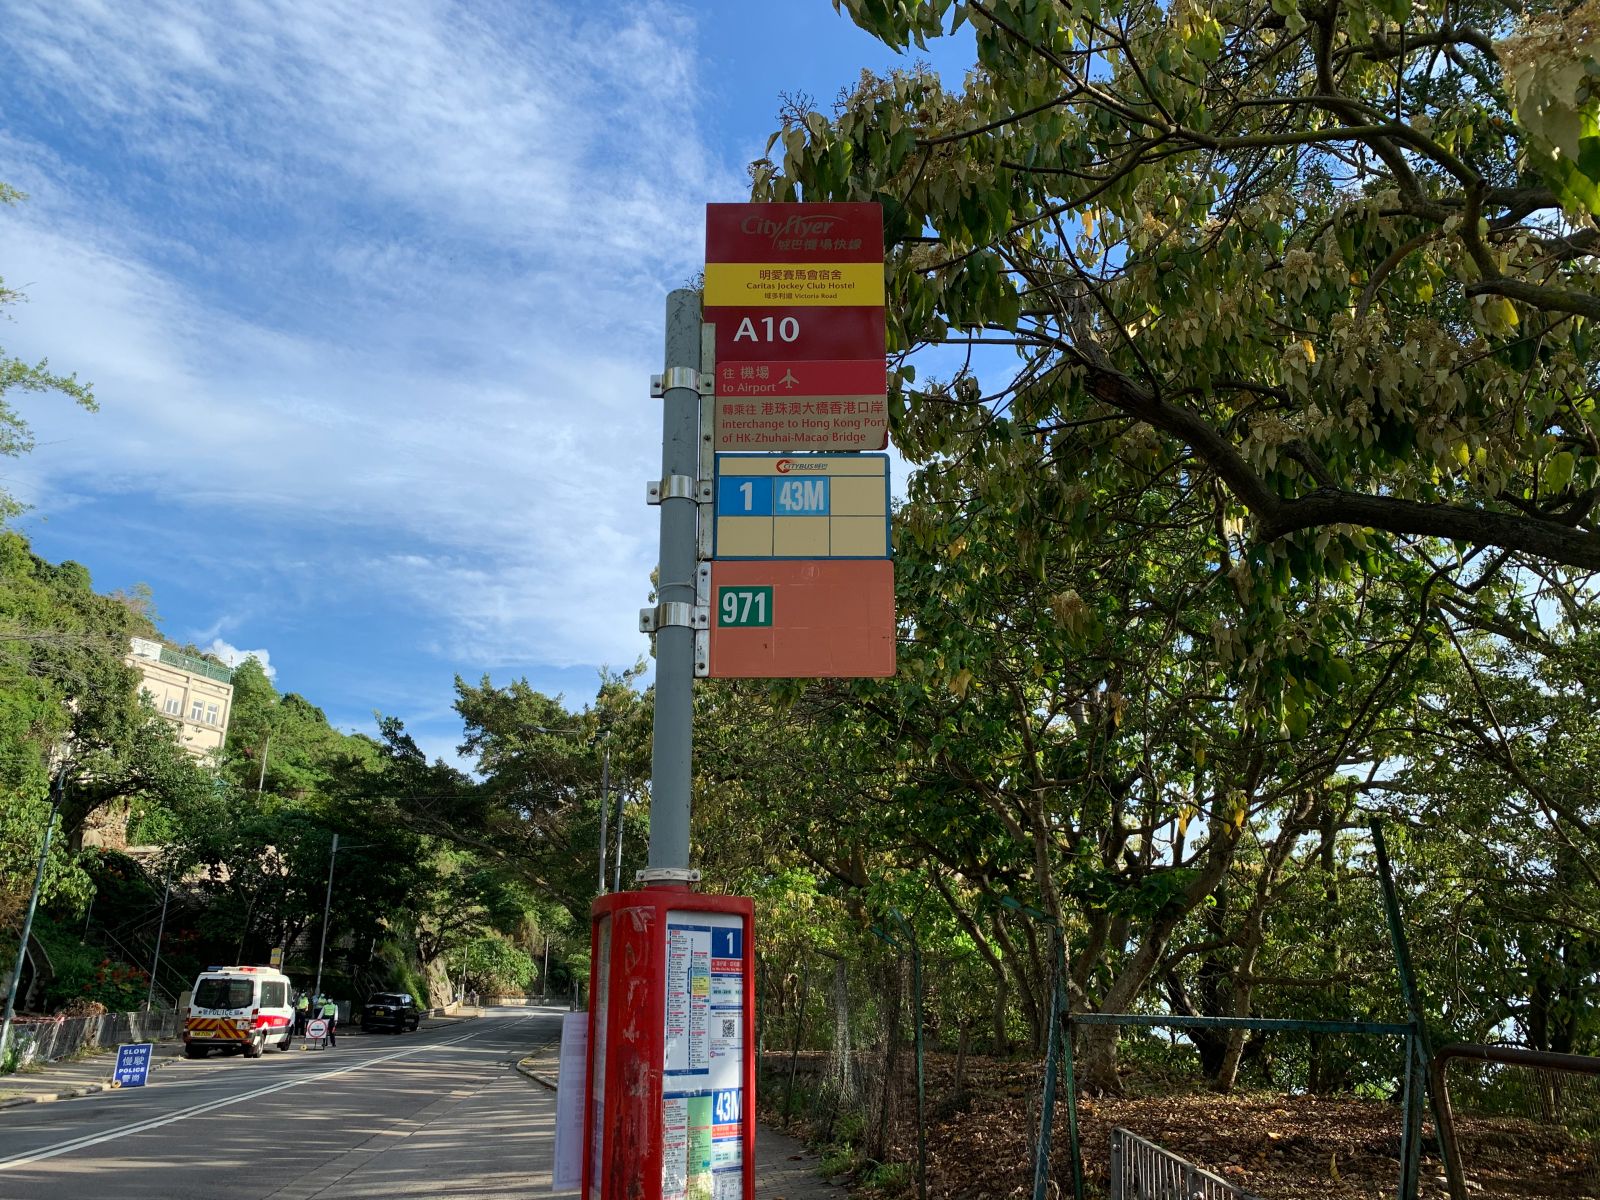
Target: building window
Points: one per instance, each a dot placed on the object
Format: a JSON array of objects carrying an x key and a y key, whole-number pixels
[
  {"x": 197, "y": 710},
  {"x": 175, "y": 706},
  {"x": 213, "y": 715}
]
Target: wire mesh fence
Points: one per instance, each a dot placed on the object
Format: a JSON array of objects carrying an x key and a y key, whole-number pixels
[
  {"x": 1524, "y": 1121},
  {"x": 53, "y": 1038}
]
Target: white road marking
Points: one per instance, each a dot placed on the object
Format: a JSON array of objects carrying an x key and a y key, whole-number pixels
[{"x": 83, "y": 1143}]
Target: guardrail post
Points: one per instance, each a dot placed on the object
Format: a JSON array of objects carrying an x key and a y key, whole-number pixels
[{"x": 1117, "y": 1182}]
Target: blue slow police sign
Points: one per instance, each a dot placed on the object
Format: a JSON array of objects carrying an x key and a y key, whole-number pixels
[{"x": 133, "y": 1065}]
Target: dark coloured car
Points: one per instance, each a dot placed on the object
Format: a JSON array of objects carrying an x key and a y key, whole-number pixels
[{"x": 390, "y": 1010}]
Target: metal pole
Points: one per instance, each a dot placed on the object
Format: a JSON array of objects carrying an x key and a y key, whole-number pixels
[
  {"x": 605, "y": 800},
  {"x": 261, "y": 779},
  {"x": 327, "y": 899},
  {"x": 1422, "y": 1048},
  {"x": 1047, "y": 1102},
  {"x": 672, "y": 741},
  {"x": 27, "y": 922},
  {"x": 616, "y": 874},
  {"x": 161, "y": 929},
  {"x": 544, "y": 972}
]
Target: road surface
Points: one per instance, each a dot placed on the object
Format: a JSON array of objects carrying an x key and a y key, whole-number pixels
[{"x": 438, "y": 1113}]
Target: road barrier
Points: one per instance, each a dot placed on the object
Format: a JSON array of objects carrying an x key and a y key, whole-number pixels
[
  {"x": 1142, "y": 1170},
  {"x": 51, "y": 1039}
]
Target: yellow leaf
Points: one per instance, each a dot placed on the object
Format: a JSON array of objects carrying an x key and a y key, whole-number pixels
[
  {"x": 960, "y": 682},
  {"x": 1311, "y": 351}
]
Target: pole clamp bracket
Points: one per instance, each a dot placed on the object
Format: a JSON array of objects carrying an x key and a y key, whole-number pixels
[
  {"x": 678, "y": 487},
  {"x": 681, "y": 377},
  {"x": 667, "y": 875},
  {"x": 674, "y": 613}
]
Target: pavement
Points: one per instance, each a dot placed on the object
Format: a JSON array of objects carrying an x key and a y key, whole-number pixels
[{"x": 463, "y": 1108}]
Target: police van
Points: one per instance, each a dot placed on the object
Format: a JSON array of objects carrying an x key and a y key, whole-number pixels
[{"x": 238, "y": 1010}]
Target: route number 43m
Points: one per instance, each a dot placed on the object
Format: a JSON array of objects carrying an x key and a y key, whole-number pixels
[{"x": 744, "y": 607}]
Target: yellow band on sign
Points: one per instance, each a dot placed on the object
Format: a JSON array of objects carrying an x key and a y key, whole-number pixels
[{"x": 740, "y": 285}]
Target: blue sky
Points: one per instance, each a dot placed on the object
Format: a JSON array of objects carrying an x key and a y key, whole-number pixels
[{"x": 370, "y": 293}]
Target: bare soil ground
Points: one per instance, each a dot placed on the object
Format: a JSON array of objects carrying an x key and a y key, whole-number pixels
[{"x": 1279, "y": 1147}]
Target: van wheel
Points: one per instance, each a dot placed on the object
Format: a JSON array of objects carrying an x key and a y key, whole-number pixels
[
  {"x": 253, "y": 1048},
  {"x": 287, "y": 1043},
  {"x": 192, "y": 1051}
]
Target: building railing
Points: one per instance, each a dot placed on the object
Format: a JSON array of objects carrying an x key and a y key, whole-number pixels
[
  {"x": 196, "y": 666},
  {"x": 1142, "y": 1170},
  {"x": 51, "y": 1039}
]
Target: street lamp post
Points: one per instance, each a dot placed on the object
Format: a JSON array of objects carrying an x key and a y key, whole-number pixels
[
  {"x": 161, "y": 929},
  {"x": 327, "y": 899},
  {"x": 605, "y": 796},
  {"x": 27, "y": 923}
]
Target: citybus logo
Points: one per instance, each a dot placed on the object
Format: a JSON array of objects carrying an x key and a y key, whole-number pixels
[
  {"x": 810, "y": 226},
  {"x": 785, "y": 465}
]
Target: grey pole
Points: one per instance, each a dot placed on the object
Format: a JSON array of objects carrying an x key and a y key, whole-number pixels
[
  {"x": 326, "y": 900},
  {"x": 544, "y": 971},
  {"x": 161, "y": 929},
  {"x": 27, "y": 923},
  {"x": 616, "y": 874},
  {"x": 261, "y": 779},
  {"x": 673, "y": 737},
  {"x": 605, "y": 800}
]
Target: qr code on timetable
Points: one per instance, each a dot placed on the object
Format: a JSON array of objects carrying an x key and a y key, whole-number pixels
[{"x": 730, "y": 1027}]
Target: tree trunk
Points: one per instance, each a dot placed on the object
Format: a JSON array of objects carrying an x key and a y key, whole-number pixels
[{"x": 877, "y": 1149}]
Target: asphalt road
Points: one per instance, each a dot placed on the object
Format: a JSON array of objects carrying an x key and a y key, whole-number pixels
[{"x": 438, "y": 1113}]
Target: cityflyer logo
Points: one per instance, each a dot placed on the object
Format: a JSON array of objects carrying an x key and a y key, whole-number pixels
[
  {"x": 785, "y": 465},
  {"x": 811, "y": 225}
]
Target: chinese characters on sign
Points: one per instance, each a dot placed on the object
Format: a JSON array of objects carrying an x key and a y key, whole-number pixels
[
  {"x": 795, "y": 292},
  {"x": 133, "y": 1065},
  {"x": 703, "y": 1087}
]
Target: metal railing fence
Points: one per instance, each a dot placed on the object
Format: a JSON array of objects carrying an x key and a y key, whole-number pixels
[
  {"x": 1142, "y": 1170},
  {"x": 1536, "y": 1124},
  {"x": 55, "y": 1038}
]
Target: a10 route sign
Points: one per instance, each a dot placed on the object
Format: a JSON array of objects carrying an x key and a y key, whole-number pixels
[{"x": 795, "y": 293}]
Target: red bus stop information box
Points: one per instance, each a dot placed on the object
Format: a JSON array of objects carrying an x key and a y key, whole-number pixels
[
  {"x": 670, "y": 1111},
  {"x": 830, "y": 618}
]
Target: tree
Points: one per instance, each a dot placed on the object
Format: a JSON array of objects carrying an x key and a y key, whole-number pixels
[
  {"x": 16, "y": 375},
  {"x": 1295, "y": 248}
]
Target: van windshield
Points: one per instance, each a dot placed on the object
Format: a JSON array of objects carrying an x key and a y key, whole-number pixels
[{"x": 224, "y": 993}]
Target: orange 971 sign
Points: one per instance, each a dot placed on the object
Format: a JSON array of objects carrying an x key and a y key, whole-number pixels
[{"x": 802, "y": 619}]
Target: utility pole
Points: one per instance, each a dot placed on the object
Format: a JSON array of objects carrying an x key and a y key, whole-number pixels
[
  {"x": 605, "y": 799},
  {"x": 616, "y": 876},
  {"x": 161, "y": 929},
  {"x": 673, "y": 618},
  {"x": 327, "y": 899},
  {"x": 27, "y": 922},
  {"x": 261, "y": 779},
  {"x": 544, "y": 971}
]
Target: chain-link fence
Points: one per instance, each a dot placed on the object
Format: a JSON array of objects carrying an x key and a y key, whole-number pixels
[
  {"x": 1525, "y": 1122},
  {"x": 53, "y": 1038}
]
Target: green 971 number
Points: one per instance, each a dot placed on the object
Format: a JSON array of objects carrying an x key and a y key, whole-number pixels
[{"x": 746, "y": 607}]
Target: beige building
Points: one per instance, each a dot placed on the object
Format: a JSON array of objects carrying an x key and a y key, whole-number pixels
[{"x": 194, "y": 694}]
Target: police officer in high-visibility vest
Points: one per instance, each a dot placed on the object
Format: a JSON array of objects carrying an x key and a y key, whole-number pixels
[
  {"x": 330, "y": 1014},
  {"x": 302, "y": 1013}
]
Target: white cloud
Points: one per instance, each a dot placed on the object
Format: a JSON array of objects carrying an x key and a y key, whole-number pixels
[
  {"x": 233, "y": 656},
  {"x": 389, "y": 272}
]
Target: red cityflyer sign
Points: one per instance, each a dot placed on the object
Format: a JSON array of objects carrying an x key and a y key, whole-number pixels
[
  {"x": 796, "y": 291},
  {"x": 794, "y": 233}
]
